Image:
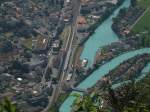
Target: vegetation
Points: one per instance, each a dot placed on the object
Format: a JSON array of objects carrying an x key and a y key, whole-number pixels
[
  {"x": 144, "y": 3},
  {"x": 142, "y": 25},
  {"x": 131, "y": 97},
  {"x": 88, "y": 103},
  {"x": 28, "y": 43},
  {"x": 62, "y": 97},
  {"x": 145, "y": 41},
  {"x": 60, "y": 100},
  {"x": 53, "y": 109},
  {"x": 6, "y": 46},
  {"x": 7, "y": 106},
  {"x": 105, "y": 16},
  {"x": 133, "y": 3},
  {"x": 65, "y": 33}
]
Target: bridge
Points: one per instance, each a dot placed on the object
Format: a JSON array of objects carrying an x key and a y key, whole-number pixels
[{"x": 79, "y": 89}]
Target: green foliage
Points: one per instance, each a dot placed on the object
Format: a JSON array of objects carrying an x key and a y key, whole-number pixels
[
  {"x": 7, "y": 106},
  {"x": 143, "y": 24},
  {"x": 130, "y": 97},
  {"x": 144, "y": 3},
  {"x": 145, "y": 41},
  {"x": 88, "y": 103},
  {"x": 133, "y": 3},
  {"x": 53, "y": 109},
  {"x": 136, "y": 108}
]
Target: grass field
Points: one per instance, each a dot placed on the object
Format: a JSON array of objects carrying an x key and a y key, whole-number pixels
[
  {"x": 143, "y": 24},
  {"x": 144, "y": 3},
  {"x": 28, "y": 43},
  {"x": 64, "y": 35}
]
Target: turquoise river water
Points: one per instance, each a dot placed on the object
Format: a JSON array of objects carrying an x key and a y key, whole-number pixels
[{"x": 103, "y": 36}]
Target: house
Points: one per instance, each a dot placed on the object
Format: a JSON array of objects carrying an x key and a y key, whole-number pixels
[{"x": 56, "y": 47}]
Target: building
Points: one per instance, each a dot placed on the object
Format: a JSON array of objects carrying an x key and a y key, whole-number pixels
[{"x": 56, "y": 47}]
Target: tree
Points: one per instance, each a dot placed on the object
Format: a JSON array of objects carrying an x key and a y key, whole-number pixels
[
  {"x": 133, "y": 3},
  {"x": 122, "y": 12},
  {"x": 6, "y": 47},
  {"x": 88, "y": 103},
  {"x": 131, "y": 97},
  {"x": 16, "y": 64},
  {"x": 8, "y": 106},
  {"x": 137, "y": 108}
]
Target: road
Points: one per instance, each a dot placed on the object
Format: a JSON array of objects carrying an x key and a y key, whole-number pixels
[
  {"x": 68, "y": 49},
  {"x": 43, "y": 81}
]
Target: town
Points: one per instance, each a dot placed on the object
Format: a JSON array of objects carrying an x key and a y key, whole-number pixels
[{"x": 50, "y": 49}]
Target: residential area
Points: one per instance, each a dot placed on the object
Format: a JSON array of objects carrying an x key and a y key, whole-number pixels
[{"x": 30, "y": 50}]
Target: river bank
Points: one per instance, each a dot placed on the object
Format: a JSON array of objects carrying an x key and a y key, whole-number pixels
[
  {"x": 99, "y": 73},
  {"x": 133, "y": 21},
  {"x": 106, "y": 14},
  {"x": 102, "y": 36},
  {"x": 117, "y": 48},
  {"x": 122, "y": 23},
  {"x": 106, "y": 53},
  {"x": 97, "y": 65},
  {"x": 128, "y": 70},
  {"x": 105, "y": 92}
]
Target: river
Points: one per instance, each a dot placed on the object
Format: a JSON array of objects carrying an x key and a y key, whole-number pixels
[
  {"x": 103, "y": 36},
  {"x": 98, "y": 74}
]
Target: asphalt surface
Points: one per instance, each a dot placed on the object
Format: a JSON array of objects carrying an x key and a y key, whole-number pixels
[{"x": 68, "y": 49}]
